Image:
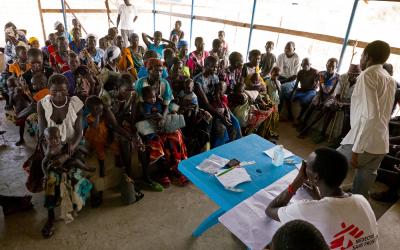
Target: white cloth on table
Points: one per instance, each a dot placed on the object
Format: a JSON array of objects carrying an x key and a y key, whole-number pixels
[
  {"x": 248, "y": 221},
  {"x": 66, "y": 128},
  {"x": 370, "y": 110}
]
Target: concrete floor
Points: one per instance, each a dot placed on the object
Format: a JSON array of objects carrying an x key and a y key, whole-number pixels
[{"x": 159, "y": 221}]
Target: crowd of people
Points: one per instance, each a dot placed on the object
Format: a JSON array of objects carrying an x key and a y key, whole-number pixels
[{"x": 167, "y": 104}]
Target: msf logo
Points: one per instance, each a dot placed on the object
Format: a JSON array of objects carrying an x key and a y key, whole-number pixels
[{"x": 346, "y": 238}]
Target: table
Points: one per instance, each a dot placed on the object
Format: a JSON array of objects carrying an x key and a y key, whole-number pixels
[{"x": 263, "y": 173}]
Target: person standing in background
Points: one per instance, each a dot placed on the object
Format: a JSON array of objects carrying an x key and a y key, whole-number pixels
[{"x": 127, "y": 15}]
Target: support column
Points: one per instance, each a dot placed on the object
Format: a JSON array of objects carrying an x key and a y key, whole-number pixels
[
  {"x": 251, "y": 27},
  {"x": 41, "y": 20},
  {"x": 64, "y": 15},
  {"x": 191, "y": 25},
  {"x": 346, "y": 38},
  {"x": 154, "y": 16}
]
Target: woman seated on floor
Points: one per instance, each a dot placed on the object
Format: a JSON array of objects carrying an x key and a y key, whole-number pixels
[
  {"x": 164, "y": 150},
  {"x": 64, "y": 113}
]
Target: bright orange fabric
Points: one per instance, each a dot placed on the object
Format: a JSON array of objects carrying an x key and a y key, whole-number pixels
[{"x": 41, "y": 94}]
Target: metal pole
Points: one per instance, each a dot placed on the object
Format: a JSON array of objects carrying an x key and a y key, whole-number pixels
[
  {"x": 251, "y": 26},
  {"x": 191, "y": 25},
  {"x": 346, "y": 38},
  {"x": 154, "y": 16},
  {"x": 64, "y": 15}
]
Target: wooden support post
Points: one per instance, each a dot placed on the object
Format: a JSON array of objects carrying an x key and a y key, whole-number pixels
[
  {"x": 41, "y": 20},
  {"x": 73, "y": 14}
]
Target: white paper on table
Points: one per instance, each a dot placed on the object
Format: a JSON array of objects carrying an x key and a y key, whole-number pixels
[
  {"x": 212, "y": 164},
  {"x": 233, "y": 177},
  {"x": 270, "y": 152},
  {"x": 248, "y": 221}
]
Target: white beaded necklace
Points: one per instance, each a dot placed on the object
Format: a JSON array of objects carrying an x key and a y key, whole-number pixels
[{"x": 62, "y": 106}]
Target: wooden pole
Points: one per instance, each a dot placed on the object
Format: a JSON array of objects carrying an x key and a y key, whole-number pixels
[
  {"x": 41, "y": 20},
  {"x": 73, "y": 14}
]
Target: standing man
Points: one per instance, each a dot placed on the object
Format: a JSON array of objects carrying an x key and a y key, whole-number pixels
[
  {"x": 127, "y": 14},
  {"x": 371, "y": 105}
]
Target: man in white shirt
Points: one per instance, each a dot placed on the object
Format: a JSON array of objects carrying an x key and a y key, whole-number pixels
[
  {"x": 372, "y": 100},
  {"x": 289, "y": 64},
  {"x": 127, "y": 15},
  {"x": 345, "y": 220}
]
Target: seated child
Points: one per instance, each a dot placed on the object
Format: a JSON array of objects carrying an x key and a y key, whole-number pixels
[
  {"x": 229, "y": 129},
  {"x": 268, "y": 60},
  {"x": 39, "y": 91},
  {"x": 163, "y": 150},
  {"x": 56, "y": 155},
  {"x": 100, "y": 119},
  {"x": 19, "y": 100},
  {"x": 156, "y": 45},
  {"x": 322, "y": 102},
  {"x": 251, "y": 72},
  {"x": 308, "y": 80},
  {"x": 60, "y": 171},
  {"x": 274, "y": 90},
  {"x": 188, "y": 101}
]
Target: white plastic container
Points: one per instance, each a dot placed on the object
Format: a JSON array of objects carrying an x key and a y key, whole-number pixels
[{"x": 279, "y": 156}]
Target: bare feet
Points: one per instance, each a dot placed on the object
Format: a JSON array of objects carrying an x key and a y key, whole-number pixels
[{"x": 48, "y": 229}]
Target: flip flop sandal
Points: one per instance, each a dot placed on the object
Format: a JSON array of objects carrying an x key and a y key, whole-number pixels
[
  {"x": 139, "y": 195},
  {"x": 48, "y": 230},
  {"x": 183, "y": 181},
  {"x": 165, "y": 181}
]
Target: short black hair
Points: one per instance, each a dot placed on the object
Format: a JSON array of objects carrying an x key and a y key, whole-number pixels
[
  {"x": 169, "y": 52},
  {"x": 149, "y": 54},
  {"x": 254, "y": 52},
  {"x": 179, "y": 22},
  {"x": 125, "y": 79},
  {"x": 39, "y": 77},
  {"x": 378, "y": 50},
  {"x": 146, "y": 91},
  {"x": 19, "y": 48},
  {"x": 198, "y": 39},
  {"x": 234, "y": 56},
  {"x": 216, "y": 43},
  {"x": 333, "y": 59},
  {"x": 72, "y": 54},
  {"x": 291, "y": 43},
  {"x": 158, "y": 33},
  {"x": 271, "y": 43},
  {"x": 92, "y": 101},
  {"x": 298, "y": 235},
  {"x": 331, "y": 166},
  {"x": 57, "y": 79},
  {"x": 50, "y": 130},
  {"x": 209, "y": 60},
  {"x": 33, "y": 52}
]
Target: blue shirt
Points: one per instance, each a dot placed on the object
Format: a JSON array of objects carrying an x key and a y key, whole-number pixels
[
  {"x": 158, "y": 49},
  {"x": 165, "y": 92}
]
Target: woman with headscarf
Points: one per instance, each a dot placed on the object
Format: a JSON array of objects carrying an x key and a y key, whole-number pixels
[
  {"x": 92, "y": 55},
  {"x": 183, "y": 50},
  {"x": 167, "y": 149},
  {"x": 110, "y": 72}
]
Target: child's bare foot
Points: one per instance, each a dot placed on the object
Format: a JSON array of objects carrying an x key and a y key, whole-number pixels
[
  {"x": 20, "y": 142},
  {"x": 48, "y": 229}
]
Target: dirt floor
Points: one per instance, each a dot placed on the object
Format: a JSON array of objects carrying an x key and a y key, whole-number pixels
[{"x": 159, "y": 221}]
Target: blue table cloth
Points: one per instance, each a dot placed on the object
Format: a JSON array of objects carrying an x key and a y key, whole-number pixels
[{"x": 263, "y": 173}]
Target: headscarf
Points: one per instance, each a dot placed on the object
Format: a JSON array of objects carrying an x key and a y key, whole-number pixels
[
  {"x": 354, "y": 69},
  {"x": 32, "y": 39},
  {"x": 91, "y": 35},
  {"x": 56, "y": 24},
  {"x": 153, "y": 62},
  {"x": 112, "y": 53},
  {"x": 182, "y": 43}
]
